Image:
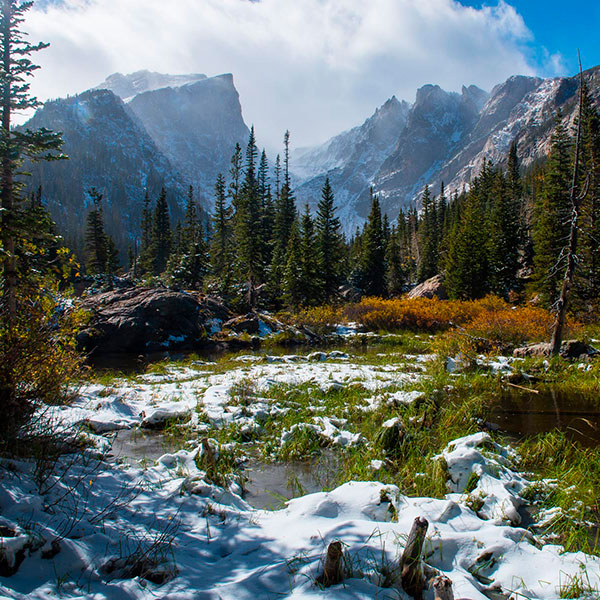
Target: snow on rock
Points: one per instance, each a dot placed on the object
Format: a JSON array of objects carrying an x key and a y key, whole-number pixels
[{"x": 478, "y": 467}]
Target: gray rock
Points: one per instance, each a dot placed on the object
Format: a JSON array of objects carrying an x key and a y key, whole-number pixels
[
  {"x": 432, "y": 288},
  {"x": 141, "y": 320}
]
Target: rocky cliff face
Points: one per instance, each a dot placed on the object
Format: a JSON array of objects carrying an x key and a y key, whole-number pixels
[
  {"x": 351, "y": 160},
  {"x": 108, "y": 149},
  {"x": 196, "y": 126}
]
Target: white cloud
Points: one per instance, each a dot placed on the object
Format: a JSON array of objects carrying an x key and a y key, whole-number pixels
[{"x": 313, "y": 66}]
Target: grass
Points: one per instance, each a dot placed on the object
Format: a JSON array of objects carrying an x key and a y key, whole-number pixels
[{"x": 452, "y": 406}]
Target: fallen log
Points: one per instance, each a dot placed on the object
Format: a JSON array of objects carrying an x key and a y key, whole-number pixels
[
  {"x": 332, "y": 570},
  {"x": 413, "y": 579}
]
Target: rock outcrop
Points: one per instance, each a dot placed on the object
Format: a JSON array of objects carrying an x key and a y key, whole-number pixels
[
  {"x": 570, "y": 349},
  {"x": 432, "y": 288},
  {"x": 142, "y": 320}
]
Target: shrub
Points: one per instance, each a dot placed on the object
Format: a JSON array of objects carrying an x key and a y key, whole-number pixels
[{"x": 38, "y": 360}]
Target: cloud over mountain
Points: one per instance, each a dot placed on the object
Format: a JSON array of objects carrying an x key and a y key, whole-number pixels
[{"x": 316, "y": 66}]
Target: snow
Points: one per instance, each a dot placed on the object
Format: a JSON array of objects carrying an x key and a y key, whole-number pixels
[
  {"x": 103, "y": 530},
  {"x": 210, "y": 544}
]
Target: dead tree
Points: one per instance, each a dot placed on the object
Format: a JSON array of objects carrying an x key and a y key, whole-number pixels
[
  {"x": 332, "y": 570},
  {"x": 442, "y": 586},
  {"x": 561, "y": 307},
  {"x": 411, "y": 568}
]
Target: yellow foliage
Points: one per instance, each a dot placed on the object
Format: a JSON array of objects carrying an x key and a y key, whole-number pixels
[{"x": 490, "y": 318}]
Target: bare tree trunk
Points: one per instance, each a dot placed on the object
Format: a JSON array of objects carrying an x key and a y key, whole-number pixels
[
  {"x": 413, "y": 580},
  {"x": 332, "y": 570},
  {"x": 561, "y": 309},
  {"x": 7, "y": 185}
]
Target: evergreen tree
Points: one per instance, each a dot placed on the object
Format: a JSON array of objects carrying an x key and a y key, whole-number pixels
[
  {"x": 161, "y": 235},
  {"x": 311, "y": 277},
  {"x": 16, "y": 145},
  {"x": 267, "y": 210},
  {"x": 95, "y": 238},
  {"x": 329, "y": 246},
  {"x": 551, "y": 226},
  {"x": 221, "y": 251},
  {"x": 428, "y": 234},
  {"x": 285, "y": 216},
  {"x": 466, "y": 262},
  {"x": 373, "y": 252},
  {"x": 292, "y": 281},
  {"x": 248, "y": 224},
  {"x": 587, "y": 288},
  {"x": 503, "y": 244},
  {"x": 395, "y": 277}
]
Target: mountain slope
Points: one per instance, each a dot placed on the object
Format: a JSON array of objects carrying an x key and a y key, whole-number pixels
[
  {"x": 108, "y": 150},
  {"x": 350, "y": 159},
  {"x": 196, "y": 126},
  {"x": 445, "y": 138}
]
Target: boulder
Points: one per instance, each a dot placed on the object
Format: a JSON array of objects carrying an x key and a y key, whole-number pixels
[
  {"x": 570, "y": 349},
  {"x": 246, "y": 324},
  {"x": 432, "y": 288},
  {"x": 141, "y": 320},
  {"x": 349, "y": 293}
]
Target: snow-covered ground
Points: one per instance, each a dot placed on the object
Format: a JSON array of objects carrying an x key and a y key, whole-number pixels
[{"x": 99, "y": 530}]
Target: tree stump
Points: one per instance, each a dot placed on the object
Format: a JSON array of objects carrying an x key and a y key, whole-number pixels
[
  {"x": 332, "y": 570},
  {"x": 413, "y": 579},
  {"x": 442, "y": 586}
]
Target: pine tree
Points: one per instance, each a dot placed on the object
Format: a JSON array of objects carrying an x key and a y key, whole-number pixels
[
  {"x": 161, "y": 234},
  {"x": 551, "y": 227},
  {"x": 395, "y": 276},
  {"x": 503, "y": 241},
  {"x": 466, "y": 262},
  {"x": 428, "y": 264},
  {"x": 95, "y": 239},
  {"x": 285, "y": 216},
  {"x": 373, "y": 255},
  {"x": 189, "y": 263},
  {"x": 16, "y": 145},
  {"x": 292, "y": 282},
  {"x": 221, "y": 251},
  {"x": 311, "y": 275},
  {"x": 146, "y": 224},
  {"x": 587, "y": 288},
  {"x": 267, "y": 210},
  {"x": 329, "y": 247},
  {"x": 247, "y": 222}
]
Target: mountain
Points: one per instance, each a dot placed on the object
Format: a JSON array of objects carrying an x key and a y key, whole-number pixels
[
  {"x": 444, "y": 137},
  {"x": 136, "y": 132},
  {"x": 350, "y": 159},
  {"x": 109, "y": 150},
  {"x": 128, "y": 86},
  {"x": 194, "y": 120}
]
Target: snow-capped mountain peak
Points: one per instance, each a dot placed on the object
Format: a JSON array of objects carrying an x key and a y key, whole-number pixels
[{"x": 129, "y": 86}]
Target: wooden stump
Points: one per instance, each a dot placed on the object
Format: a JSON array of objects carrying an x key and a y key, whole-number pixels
[
  {"x": 413, "y": 579},
  {"x": 332, "y": 570},
  {"x": 442, "y": 586}
]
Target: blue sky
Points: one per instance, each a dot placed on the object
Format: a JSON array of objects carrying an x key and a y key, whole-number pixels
[{"x": 559, "y": 27}]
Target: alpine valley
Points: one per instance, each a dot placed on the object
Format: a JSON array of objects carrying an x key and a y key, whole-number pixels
[{"x": 147, "y": 130}]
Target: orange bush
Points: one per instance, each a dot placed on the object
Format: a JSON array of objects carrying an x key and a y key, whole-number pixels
[{"x": 490, "y": 318}]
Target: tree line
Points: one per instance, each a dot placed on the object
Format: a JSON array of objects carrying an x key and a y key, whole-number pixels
[{"x": 504, "y": 235}]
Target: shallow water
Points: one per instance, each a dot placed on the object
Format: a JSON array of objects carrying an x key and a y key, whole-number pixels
[
  {"x": 139, "y": 445},
  {"x": 269, "y": 485},
  {"x": 521, "y": 413}
]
